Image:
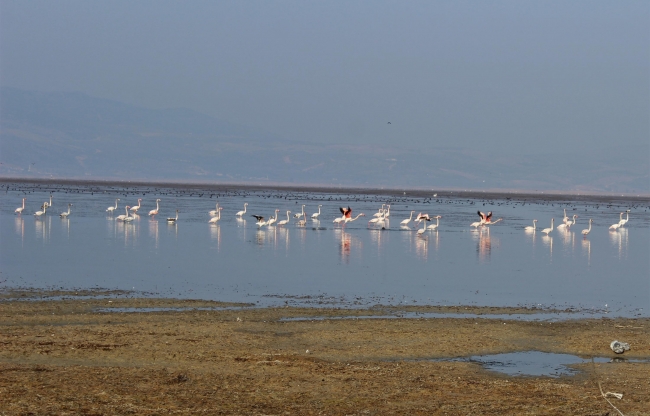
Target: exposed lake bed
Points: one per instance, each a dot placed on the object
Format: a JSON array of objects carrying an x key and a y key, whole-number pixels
[{"x": 70, "y": 355}]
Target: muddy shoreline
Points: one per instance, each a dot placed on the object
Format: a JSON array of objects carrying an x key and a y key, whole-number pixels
[
  {"x": 388, "y": 192},
  {"x": 64, "y": 353}
]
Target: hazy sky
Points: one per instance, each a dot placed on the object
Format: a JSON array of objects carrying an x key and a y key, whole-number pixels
[{"x": 516, "y": 75}]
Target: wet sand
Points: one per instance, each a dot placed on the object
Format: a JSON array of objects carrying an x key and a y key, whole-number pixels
[{"x": 65, "y": 353}]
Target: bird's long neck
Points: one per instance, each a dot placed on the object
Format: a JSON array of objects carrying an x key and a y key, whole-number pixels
[
  {"x": 116, "y": 204},
  {"x": 245, "y": 208},
  {"x": 411, "y": 217},
  {"x": 437, "y": 222},
  {"x": 287, "y": 215},
  {"x": 319, "y": 210},
  {"x": 627, "y": 216},
  {"x": 157, "y": 206},
  {"x": 23, "y": 203}
]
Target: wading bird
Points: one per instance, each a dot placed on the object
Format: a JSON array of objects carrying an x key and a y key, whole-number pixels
[
  {"x": 111, "y": 209},
  {"x": 241, "y": 213}
]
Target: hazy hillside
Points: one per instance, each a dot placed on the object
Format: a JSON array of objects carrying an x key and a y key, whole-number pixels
[{"x": 72, "y": 135}]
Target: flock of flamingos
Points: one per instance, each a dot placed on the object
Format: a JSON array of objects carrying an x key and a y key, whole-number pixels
[{"x": 379, "y": 218}]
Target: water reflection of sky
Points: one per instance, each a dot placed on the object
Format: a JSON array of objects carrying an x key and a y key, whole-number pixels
[{"x": 234, "y": 260}]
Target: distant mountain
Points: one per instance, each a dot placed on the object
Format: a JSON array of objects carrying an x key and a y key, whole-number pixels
[{"x": 72, "y": 135}]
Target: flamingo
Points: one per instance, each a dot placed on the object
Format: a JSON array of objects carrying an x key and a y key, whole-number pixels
[
  {"x": 111, "y": 208},
  {"x": 531, "y": 228},
  {"x": 215, "y": 211},
  {"x": 260, "y": 220},
  {"x": 622, "y": 222},
  {"x": 285, "y": 222},
  {"x": 20, "y": 210},
  {"x": 155, "y": 211},
  {"x": 548, "y": 230},
  {"x": 129, "y": 218},
  {"x": 241, "y": 213},
  {"x": 65, "y": 214},
  {"x": 214, "y": 220},
  {"x": 435, "y": 226},
  {"x": 380, "y": 213},
  {"x": 272, "y": 220},
  {"x": 347, "y": 213},
  {"x": 300, "y": 214},
  {"x": 137, "y": 207},
  {"x": 588, "y": 230},
  {"x": 423, "y": 229},
  {"x": 50, "y": 204},
  {"x": 172, "y": 220},
  {"x": 405, "y": 222},
  {"x": 315, "y": 215},
  {"x": 302, "y": 221},
  {"x": 485, "y": 218},
  {"x": 376, "y": 220},
  {"x": 569, "y": 223},
  {"x": 39, "y": 213},
  {"x": 122, "y": 217},
  {"x": 614, "y": 227}
]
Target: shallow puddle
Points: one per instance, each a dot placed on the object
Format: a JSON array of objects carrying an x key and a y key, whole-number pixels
[{"x": 537, "y": 363}]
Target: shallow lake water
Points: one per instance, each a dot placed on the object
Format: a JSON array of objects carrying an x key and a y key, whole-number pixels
[{"x": 321, "y": 264}]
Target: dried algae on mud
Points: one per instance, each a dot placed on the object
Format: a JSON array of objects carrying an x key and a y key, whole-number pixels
[{"x": 71, "y": 355}]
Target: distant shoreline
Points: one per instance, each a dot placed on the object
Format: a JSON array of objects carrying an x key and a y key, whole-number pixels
[{"x": 412, "y": 192}]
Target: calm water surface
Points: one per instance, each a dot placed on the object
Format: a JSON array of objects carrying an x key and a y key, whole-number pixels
[{"x": 322, "y": 264}]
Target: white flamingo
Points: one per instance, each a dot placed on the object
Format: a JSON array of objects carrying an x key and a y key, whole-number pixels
[
  {"x": 614, "y": 227},
  {"x": 405, "y": 223},
  {"x": 531, "y": 228},
  {"x": 172, "y": 220},
  {"x": 65, "y": 214},
  {"x": 548, "y": 230},
  {"x": 436, "y": 225},
  {"x": 424, "y": 228},
  {"x": 43, "y": 211},
  {"x": 622, "y": 222},
  {"x": 241, "y": 213},
  {"x": 315, "y": 215},
  {"x": 20, "y": 210},
  {"x": 380, "y": 213},
  {"x": 300, "y": 214},
  {"x": 137, "y": 207},
  {"x": 588, "y": 230},
  {"x": 111, "y": 209},
  {"x": 216, "y": 218},
  {"x": 272, "y": 220},
  {"x": 567, "y": 223},
  {"x": 284, "y": 222},
  {"x": 128, "y": 217},
  {"x": 122, "y": 217},
  {"x": 155, "y": 211},
  {"x": 215, "y": 211}
]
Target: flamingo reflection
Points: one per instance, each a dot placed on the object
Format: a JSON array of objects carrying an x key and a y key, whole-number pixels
[
  {"x": 153, "y": 231},
  {"x": 347, "y": 243},
  {"x": 215, "y": 235},
  {"x": 422, "y": 247}
]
